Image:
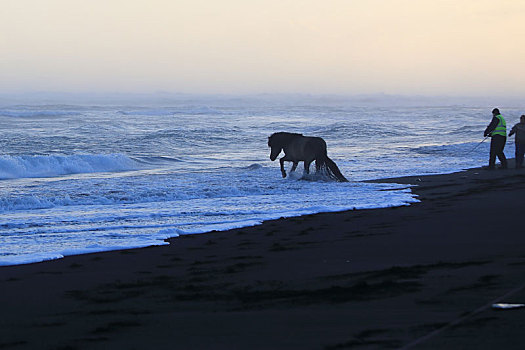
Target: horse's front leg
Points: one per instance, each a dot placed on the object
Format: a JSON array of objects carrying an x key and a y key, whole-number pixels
[
  {"x": 282, "y": 166},
  {"x": 294, "y": 166}
]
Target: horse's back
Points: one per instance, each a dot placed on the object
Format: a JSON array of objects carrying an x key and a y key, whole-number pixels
[
  {"x": 314, "y": 140},
  {"x": 307, "y": 147},
  {"x": 315, "y": 144}
]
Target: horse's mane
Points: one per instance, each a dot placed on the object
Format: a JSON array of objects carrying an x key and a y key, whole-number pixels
[
  {"x": 283, "y": 136},
  {"x": 286, "y": 134}
]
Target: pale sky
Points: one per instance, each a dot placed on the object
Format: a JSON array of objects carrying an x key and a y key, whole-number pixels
[{"x": 429, "y": 47}]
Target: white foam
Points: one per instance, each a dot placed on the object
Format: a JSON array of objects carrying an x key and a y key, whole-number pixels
[
  {"x": 21, "y": 259},
  {"x": 102, "y": 248},
  {"x": 60, "y": 231}
]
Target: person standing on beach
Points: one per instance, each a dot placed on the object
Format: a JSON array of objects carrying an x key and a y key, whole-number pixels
[
  {"x": 519, "y": 142},
  {"x": 497, "y": 130}
]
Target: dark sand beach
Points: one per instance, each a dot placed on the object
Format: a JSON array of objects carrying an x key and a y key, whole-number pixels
[{"x": 422, "y": 276}]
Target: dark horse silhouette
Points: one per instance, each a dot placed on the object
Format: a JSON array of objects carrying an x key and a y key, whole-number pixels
[{"x": 299, "y": 148}]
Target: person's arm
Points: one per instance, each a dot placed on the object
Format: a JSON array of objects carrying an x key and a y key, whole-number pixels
[
  {"x": 493, "y": 123},
  {"x": 512, "y": 131}
]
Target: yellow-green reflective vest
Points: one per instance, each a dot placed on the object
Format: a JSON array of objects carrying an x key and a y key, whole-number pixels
[{"x": 501, "y": 128}]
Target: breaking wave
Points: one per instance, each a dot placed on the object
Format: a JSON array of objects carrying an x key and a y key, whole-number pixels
[{"x": 32, "y": 166}]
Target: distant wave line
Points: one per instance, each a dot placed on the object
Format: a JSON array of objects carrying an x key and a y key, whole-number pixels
[
  {"x": 14, "y": 113},
  {"x": 169, "y": 111}
]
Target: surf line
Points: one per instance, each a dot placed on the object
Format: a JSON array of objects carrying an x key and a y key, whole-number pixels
[{"x": 461, "y": 319}]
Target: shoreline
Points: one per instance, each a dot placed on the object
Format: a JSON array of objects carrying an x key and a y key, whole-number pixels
[
  {"x": 380, "y": 278},
  {"x": 211, "y": 228}
]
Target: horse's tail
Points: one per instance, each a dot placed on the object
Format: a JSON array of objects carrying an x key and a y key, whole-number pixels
[
  {"x": 331, "y": 167},
  {"x": 335, "y": 170}
]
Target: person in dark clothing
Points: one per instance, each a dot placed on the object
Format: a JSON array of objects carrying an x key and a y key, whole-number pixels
[
  {"x": 497, "y": 130},
  {"x": 519, "y": 142}
]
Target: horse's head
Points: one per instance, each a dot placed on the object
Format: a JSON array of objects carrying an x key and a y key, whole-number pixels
[{"x": 276, "y": 148}]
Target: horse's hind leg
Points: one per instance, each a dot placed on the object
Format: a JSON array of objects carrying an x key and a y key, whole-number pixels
[
  {"x": 294, "y": 166},
  {"x": 307, "y": 166}
]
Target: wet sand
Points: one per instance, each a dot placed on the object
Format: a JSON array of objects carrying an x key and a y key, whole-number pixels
[{"x": 422, "y": 277}]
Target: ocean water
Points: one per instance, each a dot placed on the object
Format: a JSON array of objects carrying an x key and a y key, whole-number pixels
[{"x": 79, "y": 179}]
